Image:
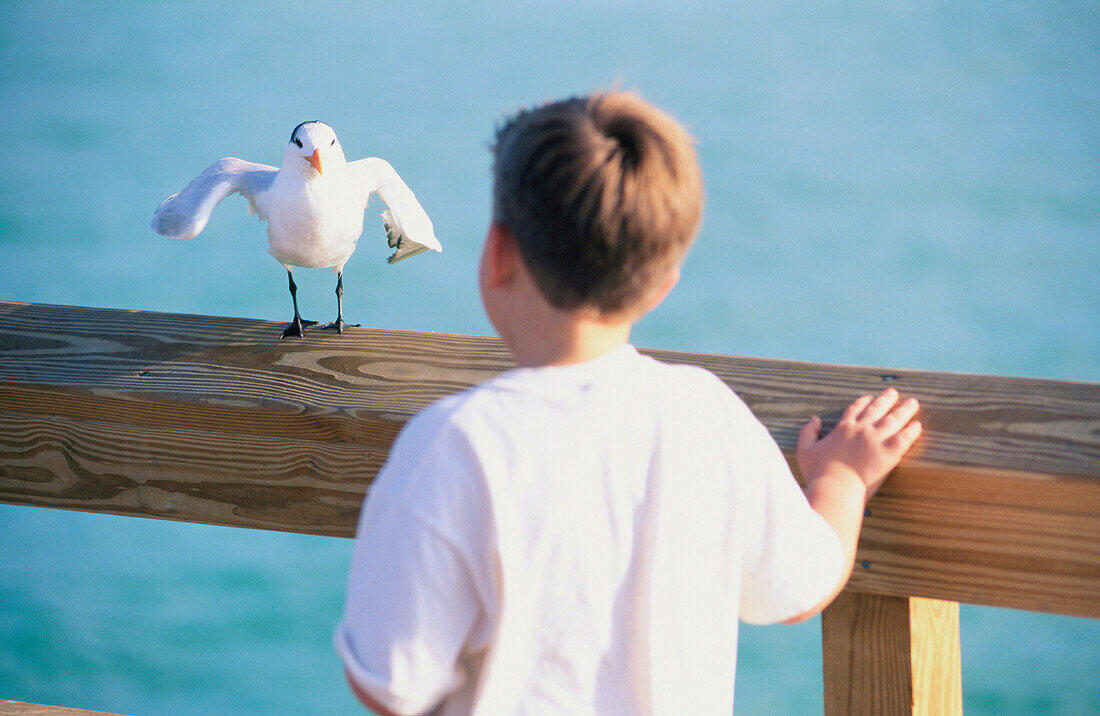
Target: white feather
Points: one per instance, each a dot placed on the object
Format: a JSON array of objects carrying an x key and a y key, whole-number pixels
[{"x": 314, "y": 219}]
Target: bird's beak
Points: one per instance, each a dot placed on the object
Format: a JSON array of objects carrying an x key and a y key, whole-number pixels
[{"x": 315, "y": 160}]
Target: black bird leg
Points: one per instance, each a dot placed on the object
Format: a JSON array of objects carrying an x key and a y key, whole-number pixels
[
  {"x": 297, "y": 326},
  {"x": 339, "y": 324}
]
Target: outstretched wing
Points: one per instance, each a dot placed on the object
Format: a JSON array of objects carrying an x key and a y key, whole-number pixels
[
  {"x": 409, "y": 231},
  {"x": 183, "y": 215}
]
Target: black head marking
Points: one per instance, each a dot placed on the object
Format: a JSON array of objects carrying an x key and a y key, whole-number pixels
[{"x": 294, "y": 135}]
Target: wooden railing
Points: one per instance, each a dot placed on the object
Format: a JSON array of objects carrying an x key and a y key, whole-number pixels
[{"x": 217, "y": 420}]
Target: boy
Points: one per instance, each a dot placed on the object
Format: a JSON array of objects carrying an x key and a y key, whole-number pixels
[{"x": 582, "y": 534}]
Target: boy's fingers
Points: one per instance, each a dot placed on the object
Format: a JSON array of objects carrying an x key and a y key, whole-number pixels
[
  {"x": 904, "y": 438},
  {"x": 880, "y": 406},
  {"x": 853, "y": 411},
  {"x": 809, "y": 433},
  {"x": 901, "y": 414}
]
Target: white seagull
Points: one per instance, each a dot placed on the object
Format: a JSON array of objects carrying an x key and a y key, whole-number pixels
[{"x": 313, "y": 206}]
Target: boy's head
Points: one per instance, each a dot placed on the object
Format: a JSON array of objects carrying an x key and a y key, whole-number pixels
[{"x": 603, "y": 195}]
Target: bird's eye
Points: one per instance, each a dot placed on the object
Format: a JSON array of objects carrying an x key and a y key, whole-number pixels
[
  {"x": 298, "y": 142},
  {"x": 333, "y": 142}
]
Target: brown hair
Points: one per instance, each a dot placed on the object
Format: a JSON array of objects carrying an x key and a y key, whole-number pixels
[{"x": 603, "y": 194}]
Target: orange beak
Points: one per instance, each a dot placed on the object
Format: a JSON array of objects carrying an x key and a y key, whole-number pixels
[{"x": 315, "y": 160}]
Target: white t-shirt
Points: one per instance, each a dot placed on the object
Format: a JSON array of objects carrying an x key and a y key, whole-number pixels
[{"x": 578, "y": 539}]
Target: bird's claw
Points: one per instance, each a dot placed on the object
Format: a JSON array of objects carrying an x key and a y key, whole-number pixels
[
  {"x": 339, "y": 324},
  {"x": 297, "y": 327}
]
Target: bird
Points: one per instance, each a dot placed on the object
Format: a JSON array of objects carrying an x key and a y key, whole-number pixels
[{"x": 313, "y": 204}]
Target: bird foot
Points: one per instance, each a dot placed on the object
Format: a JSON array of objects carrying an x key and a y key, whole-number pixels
[
  {"x": 339, "y": 325},
  {"x": 297, "y": 327}
]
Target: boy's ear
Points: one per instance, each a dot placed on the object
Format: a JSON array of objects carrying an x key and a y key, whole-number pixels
[{"x": 501, "y": 255}]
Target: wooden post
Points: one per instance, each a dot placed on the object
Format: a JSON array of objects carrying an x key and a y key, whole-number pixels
[{"x": 891, "y": 655}]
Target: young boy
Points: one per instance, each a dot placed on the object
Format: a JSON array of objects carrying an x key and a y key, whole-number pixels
[{"x": 581, "y": 534}]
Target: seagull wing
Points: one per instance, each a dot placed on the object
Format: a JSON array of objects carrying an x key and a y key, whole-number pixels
[
  {"x": 409, "y": 231},
  {"x": 183, "y": 215}
]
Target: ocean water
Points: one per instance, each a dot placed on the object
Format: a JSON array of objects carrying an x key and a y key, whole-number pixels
[{"x": 894, "y": 184}]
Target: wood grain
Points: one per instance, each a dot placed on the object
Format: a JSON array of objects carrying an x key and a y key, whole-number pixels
[
  {"x": 213, "y": 419},
  {"x": 1035, "y": 559},
  {"x": 935, "y": 657},
  {"x": 891, "y": 655},
  {"x": 18, "y": 708},
  {"x": 865, "y": 647},
  {"x": 261, "y": 482}
]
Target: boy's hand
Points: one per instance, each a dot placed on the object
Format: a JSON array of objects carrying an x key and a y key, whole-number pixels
[
  {"x": 872, "y": 435},
  {"x": 846, "y": 467}
]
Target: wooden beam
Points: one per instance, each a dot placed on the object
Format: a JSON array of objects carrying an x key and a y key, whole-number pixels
[
  {"x": 891, "y": 655},
  {"x": 217, "y": 420},
  {"x": 18, "y": 708}
]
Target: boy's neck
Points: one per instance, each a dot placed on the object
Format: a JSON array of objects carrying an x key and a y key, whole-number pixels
[
  {"x": 536, "y": 332},
  {"x": 553, "y": 337}
]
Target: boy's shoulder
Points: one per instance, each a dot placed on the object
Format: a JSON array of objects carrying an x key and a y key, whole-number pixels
[{"x": 514, "y": 412}]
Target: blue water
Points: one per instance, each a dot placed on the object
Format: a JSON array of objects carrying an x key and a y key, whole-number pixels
[{"x": 907, "y": 185}]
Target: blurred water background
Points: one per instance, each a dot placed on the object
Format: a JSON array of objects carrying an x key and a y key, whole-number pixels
[{"x": 893, "y": 184}]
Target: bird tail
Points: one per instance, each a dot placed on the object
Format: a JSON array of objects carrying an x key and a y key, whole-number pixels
[{"x": 403, "y": 246}]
